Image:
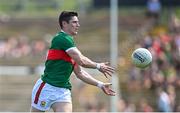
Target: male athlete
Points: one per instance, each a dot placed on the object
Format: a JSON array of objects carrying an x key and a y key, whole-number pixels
[{"x": 53, "y": 89}]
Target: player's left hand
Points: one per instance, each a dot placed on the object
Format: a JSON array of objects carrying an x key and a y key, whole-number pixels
[
  {"x": 106, "y": 69},
  {"x": 107, "y": 90}
]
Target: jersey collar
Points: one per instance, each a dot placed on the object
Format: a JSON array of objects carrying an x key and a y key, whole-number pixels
[{"x": 65, "y": 33}]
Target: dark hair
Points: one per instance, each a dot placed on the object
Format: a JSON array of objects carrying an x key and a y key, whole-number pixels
[{"x": 66, "y": 16}]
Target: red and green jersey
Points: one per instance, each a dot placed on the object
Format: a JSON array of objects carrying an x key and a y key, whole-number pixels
[{"x": 59, "y": 65}]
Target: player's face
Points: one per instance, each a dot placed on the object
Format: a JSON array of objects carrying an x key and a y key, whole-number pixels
[{"x": 73, "y": 26}]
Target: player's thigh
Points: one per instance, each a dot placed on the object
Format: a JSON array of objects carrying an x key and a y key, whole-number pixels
[
  {"x": 35, "y": 110},
  {"x": 62, "y": 107}
]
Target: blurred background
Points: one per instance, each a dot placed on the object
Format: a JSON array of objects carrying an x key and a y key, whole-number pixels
[{"x": 27, "y": 27}]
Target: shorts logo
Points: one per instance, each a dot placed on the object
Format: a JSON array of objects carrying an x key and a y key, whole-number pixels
[{"x": 43, "y": 103}]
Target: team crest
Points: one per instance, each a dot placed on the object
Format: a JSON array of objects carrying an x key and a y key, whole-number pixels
[{"x": 43, "y": 103}]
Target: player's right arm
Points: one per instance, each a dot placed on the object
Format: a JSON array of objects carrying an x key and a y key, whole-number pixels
[{"x": 83, "y": 61}]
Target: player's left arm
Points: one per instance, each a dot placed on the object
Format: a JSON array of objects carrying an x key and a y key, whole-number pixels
[{"x": 87, "y": 78}]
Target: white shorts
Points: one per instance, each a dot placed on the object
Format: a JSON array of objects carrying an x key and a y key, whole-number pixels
[{"x": 44, "y": 95}]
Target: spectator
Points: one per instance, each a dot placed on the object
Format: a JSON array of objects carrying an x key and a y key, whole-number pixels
[
  {"x": 134, "y": 78},
  {"x": 19, "y": 46},
  {"x": 126, "y": 106},
  {"x": 144, "y": 106},
  {"x": 153, "y": 9},
  {"x": 164, "y": 104},
  {"x": 172, "y": 96},
  {"x": 177, "y": 108},
  {"x": 174, "y": 23}
]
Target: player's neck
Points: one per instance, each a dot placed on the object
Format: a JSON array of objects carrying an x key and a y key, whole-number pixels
[{"x": 66, "y": 32}]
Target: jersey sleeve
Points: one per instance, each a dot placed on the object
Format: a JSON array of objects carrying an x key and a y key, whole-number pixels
[{"x": 63, "y": 43}]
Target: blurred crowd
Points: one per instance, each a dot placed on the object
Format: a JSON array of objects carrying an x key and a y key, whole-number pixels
[
  {"x": 164, "y": 72},
  {"x": 163, "y": 75},
  {"x": 165, "y": 68},
  {"x": 14, "y": 47},
  {"x": 161, "y": 78}
]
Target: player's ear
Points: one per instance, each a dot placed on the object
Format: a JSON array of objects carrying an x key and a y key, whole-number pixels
[{"x": 64, "y": 23}]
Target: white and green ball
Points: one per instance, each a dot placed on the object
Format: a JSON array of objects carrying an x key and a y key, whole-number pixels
[{"x": 141, "y": 58}]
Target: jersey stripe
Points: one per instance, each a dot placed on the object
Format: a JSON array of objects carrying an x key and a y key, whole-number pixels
[
  {"x": 55, "y": 54},
  {"x": 38, "y": 92},
  {"x": 71, "y": 49}
]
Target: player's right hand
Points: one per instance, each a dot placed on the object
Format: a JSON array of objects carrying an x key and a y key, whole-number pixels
[{"x": 106, "y": 69}]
